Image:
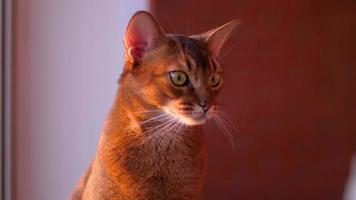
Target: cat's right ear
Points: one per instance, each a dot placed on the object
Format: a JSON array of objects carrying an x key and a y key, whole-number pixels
[
  {"x": 142, "y": 33},
  {"x": 216, "y": 37}
]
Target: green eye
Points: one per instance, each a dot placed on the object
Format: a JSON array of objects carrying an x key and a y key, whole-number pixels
[
  {"x": 179, "y": 78},
  {"x": 214, "y": 80}
]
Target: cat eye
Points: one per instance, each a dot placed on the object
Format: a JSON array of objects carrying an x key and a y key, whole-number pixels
[
  {"x": 179, "y": 78},
  {"x": 214, "y": 80}
]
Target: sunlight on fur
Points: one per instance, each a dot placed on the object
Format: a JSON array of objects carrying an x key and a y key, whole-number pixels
[{"x": 152, "y": 144}]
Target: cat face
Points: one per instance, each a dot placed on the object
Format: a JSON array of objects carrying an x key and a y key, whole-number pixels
[{"x": 176, "y": 74}]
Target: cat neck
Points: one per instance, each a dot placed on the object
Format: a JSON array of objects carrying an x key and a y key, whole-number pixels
[
  {"x": 131, "y": 120},
  {"x": 175, "y": 158}
]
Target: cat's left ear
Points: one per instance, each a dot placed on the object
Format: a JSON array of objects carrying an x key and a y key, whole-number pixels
[
  {"x": 142, "y": 34},
  {"x": 216, "y": 37}
]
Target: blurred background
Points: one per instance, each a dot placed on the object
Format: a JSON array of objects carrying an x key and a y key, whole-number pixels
[{"x": 290, "y": 88}]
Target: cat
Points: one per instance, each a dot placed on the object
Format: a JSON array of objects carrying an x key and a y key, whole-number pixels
[{"x": 151, "y": 146}]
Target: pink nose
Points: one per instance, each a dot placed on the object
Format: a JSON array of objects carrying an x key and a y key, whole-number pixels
[{"x": 205, "y": 106}]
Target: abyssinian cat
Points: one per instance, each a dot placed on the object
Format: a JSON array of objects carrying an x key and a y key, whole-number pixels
[{"x": 151, "y": 146}]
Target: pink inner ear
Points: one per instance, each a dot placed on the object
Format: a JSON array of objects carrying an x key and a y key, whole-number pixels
[
  {"x": 136, "y": 44},
  {"x": 135, "y": 53}
]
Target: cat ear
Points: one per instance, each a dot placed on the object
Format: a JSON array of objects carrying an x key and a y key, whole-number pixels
[
  {"x": 216, "y": 37},
  {"x": 142, "y": 33}
]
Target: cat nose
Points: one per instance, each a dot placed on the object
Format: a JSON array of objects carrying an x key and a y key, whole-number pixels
[{"x": 205, "y": 106}]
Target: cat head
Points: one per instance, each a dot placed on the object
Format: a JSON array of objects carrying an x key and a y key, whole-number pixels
[{"x": 179, "y": 75}]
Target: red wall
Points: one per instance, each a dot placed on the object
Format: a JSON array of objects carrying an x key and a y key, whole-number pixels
[{"x": 290, "y": 86}]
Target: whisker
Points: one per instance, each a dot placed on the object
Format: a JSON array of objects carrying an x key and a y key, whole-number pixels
[
  {"x": 227, "y": 131},
  {"x": 174, "y": 125},
  {"x": 161, "y": 130},
  {"x": 147, "y": 111},
  {"x": 156, "y": 118},
  {"x": 227, "y": 124},
  {"x": 164, "y": 129},
  {"x": 159, "y": 126},
  {"x": 178, "y": 127},
  {"x": 226, "y": 117}
]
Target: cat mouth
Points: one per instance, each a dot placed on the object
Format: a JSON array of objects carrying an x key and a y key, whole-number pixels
[
  {"x": 199, "y": 117},
  {"x": 193, "y": 118},
  {"x": 189, "y": 118}
]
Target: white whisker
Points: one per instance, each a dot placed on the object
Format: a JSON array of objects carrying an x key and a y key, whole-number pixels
[
  {"x": 156, "y": 118},
  {"x": 158, "y": 127},
  {"x": 228, "y": 121},
  {"x": 147, "y": 111},
  {"x": 226, "y": 126}
]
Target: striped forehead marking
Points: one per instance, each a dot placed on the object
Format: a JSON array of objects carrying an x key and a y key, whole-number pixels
[{"x": 193, "y": 52}]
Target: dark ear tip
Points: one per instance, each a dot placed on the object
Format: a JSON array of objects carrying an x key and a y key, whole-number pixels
[{"x": 142, "y": 13}]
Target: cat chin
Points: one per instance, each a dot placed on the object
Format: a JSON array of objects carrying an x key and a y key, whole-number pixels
[
  {"x": 190, "y": 121},
  {"x": 194, "y": 122},
  {"x": 186, "y": 120}
]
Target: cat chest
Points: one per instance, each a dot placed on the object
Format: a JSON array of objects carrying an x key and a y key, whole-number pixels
[
  {"x": 161, "y": 168},
  {"x": 176, "y": 159}
]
